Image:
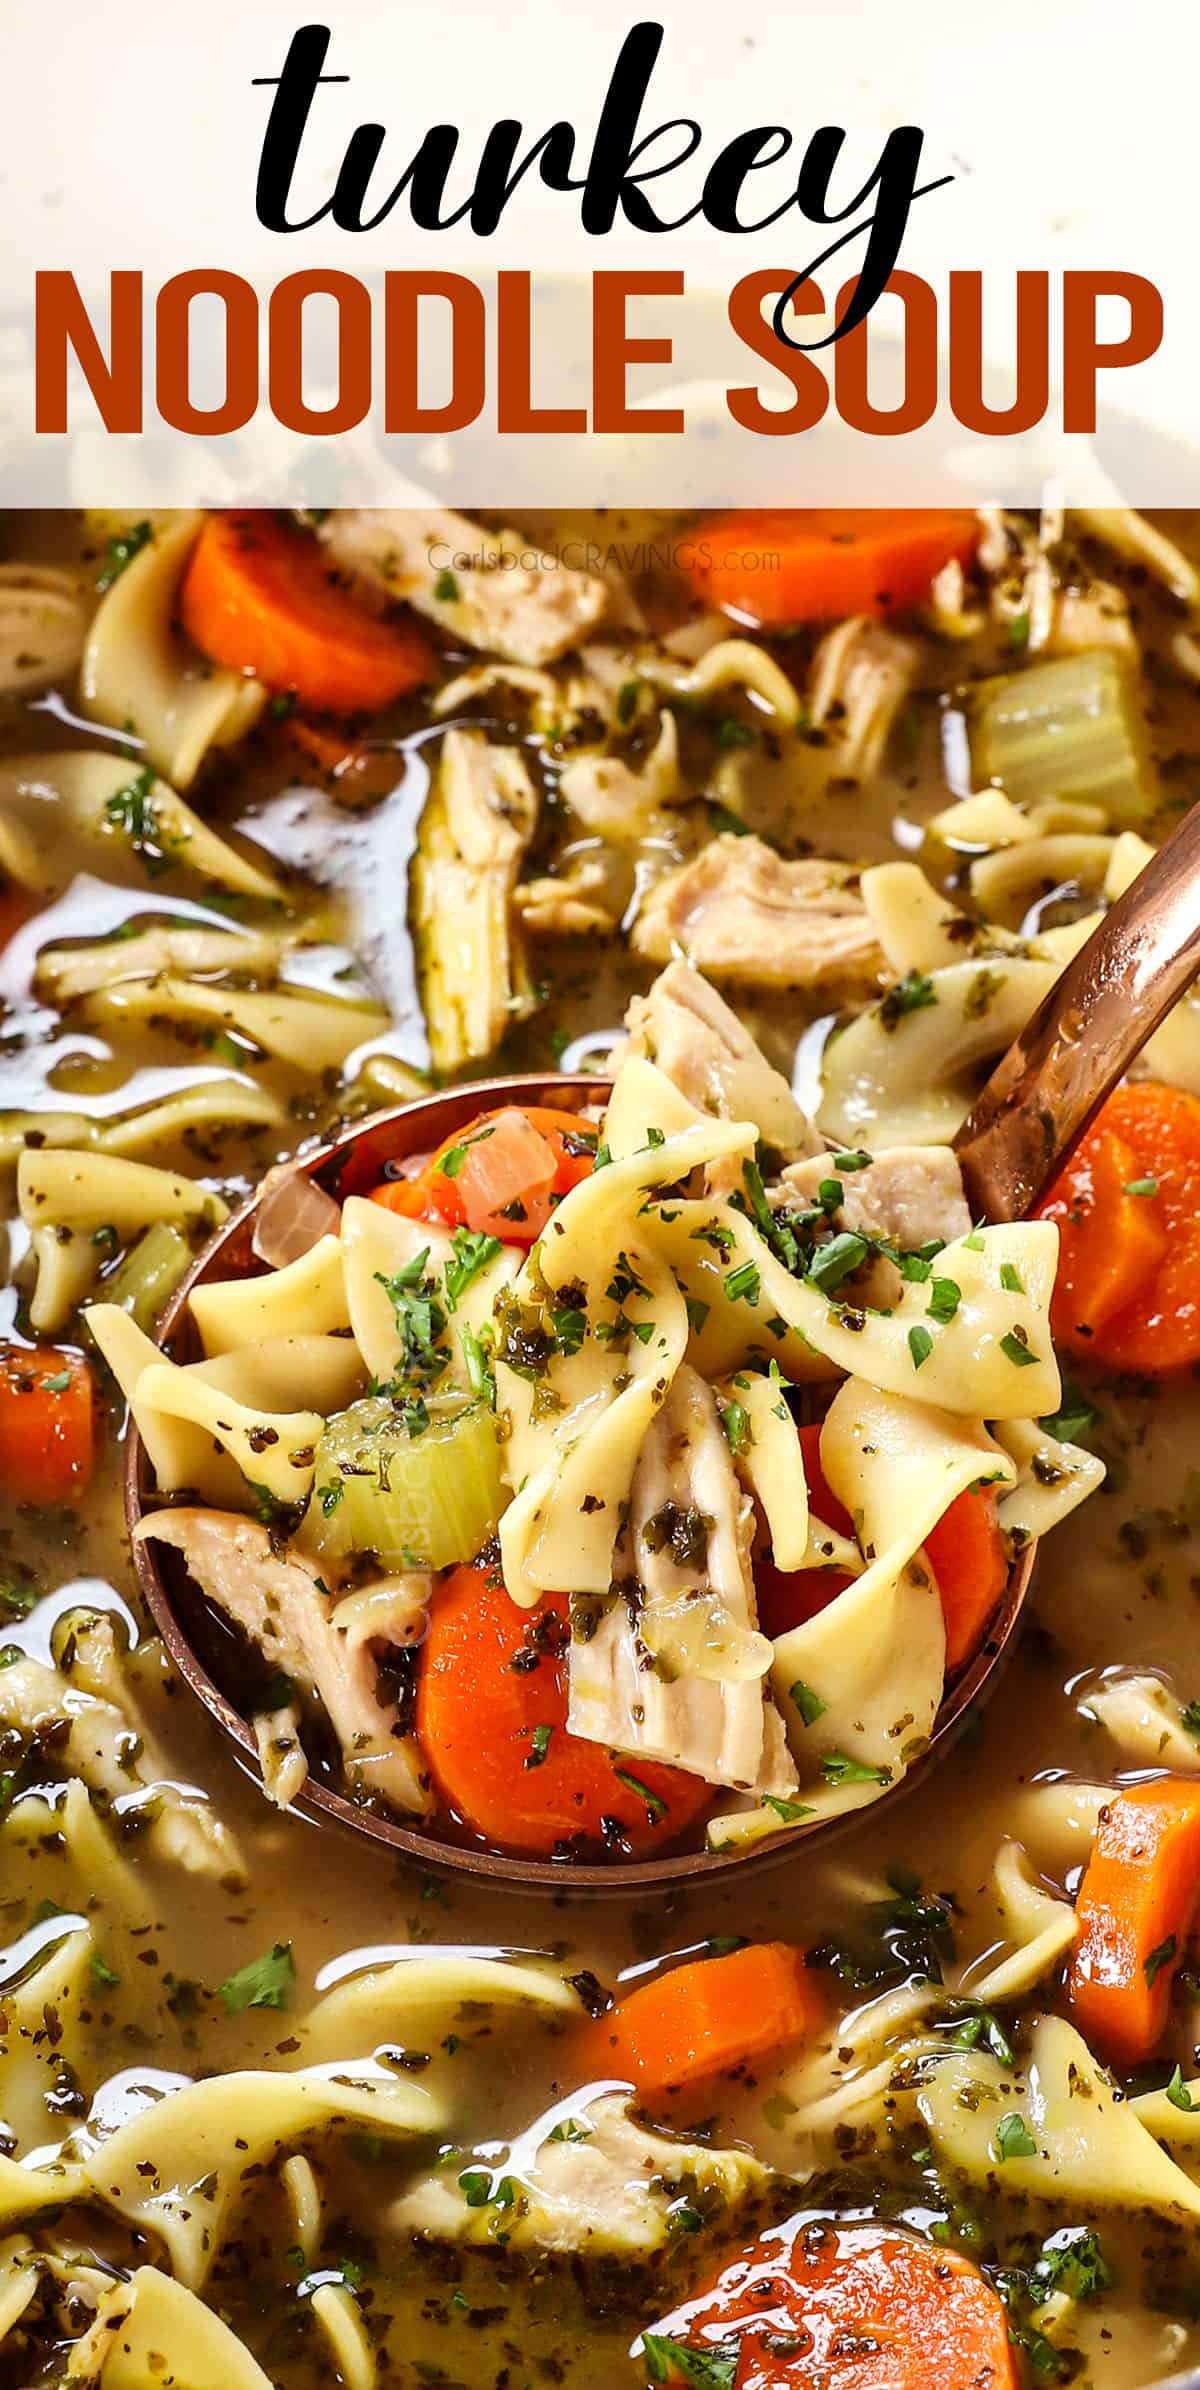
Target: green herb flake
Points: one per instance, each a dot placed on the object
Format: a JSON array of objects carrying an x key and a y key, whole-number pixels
[
  {"x": 1017, "y": 1349},
  {"x": 837, "y": 1767},
  {"x": 809, "y": 1704},
  {"x": 920, "y": 1345},
  {"x": 913, "y": 993},
  {"x": 791, "y": 1812},
  {"x": 446, "y": 590},
  {"x": 944, "y": 1299},
  {"x": 742, "y": 1284},
  {"x": 735, "y": 1419},
  {"x": 473, "y": 1250},
  {"x": 656, "y": 1808},
  {"x": 833, "y": 1263},
  {"x": 540, "y": 1740},
  {"x": 1013, "y": 2139},
  {"x": 1179, "y": 2095},
  {"x": 1160, "y": 1957},
  {"x": 264, "y": 1983},
  {"x": 121, "y": 550},
  {"x": 1141, "y": 1186},
  {"x": 668, "y": 2360}
]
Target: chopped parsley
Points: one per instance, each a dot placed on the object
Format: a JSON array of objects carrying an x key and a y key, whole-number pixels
[
  {"x": 920, "y": 1345},
  {"x": 473, "y": 1250},
  {"x": 1013, "y": 2139},
  {"x": 735, "y": 1419},
  {"x": 540, "y": 1742},
  {"x": 446, "y": 590},
  {"x": 656, "y": 1808},
  {"x": 1179, "y": 2095},
  {"x": 809, "y": 1704},
  {"x": 121, "y": 550},
  {"x": 1158, "y": 1958},
  {"x": 831, "y": 1264},
  {"x": 944, "y": 1299},
  {"x": 1016, "y": 1348},
  {"x": 265, "y": 1982},
  {"x": 742, "y": 1285},
  {"x": 669, "y": 2360},
  {"x": 791, "y": 1812},
  {"x": 1141, "y": 1186},
  {"x": 837, "y": 1767},
  {"x": 133, "y": 813},
  {"x": 1010, "y": 1279},
  {"x": 910, "y": 994}
]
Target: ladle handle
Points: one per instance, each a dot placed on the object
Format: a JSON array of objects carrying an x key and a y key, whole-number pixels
[{"x": 1111, "y": 997}]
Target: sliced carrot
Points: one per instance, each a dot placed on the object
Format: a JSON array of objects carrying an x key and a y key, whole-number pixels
[
  {"x": 1128, "y": 1286},
  {"x": 817, "y": 566},
  {"x": 260, "y": 598},
  {"x": 359, "y": 774},
  {"x": 965, "y": 1550},
  {"x": 495, "y": 1175},
  {"x": 47, "y": 1424},
  {"x": 1135, "y": 1908},
  {"x": 715, "y": 2016},
  {"x": 969, "y": 1557},
  {"x": 492, "y": 1721},
  {"x": 813, "y": 2307}
]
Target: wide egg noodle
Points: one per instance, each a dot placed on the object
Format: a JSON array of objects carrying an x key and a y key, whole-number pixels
[
  {"x": 1040, "y": 1927},
  {"x": 136, "y": 667},
  {"x": 769, "y": 1459},
  {"x": 151, "y": 2333},
  {"x": 79, "y": 790},
  {"x": 308, "y": 1029},
  {"x": 93, "y": 1190},
  {"x": 33, "y": 2059},
  {"x": 1053, "y": 1478},
  {"x": 911, "y": 1080},
  {"x": 307, "y": 1296},
  {"x": 216, "y": 2131},
  {"x": 875, "y": 1656},
  {"x": 1091, "y": 2148},
  {"x": 966, "y": 1368}
]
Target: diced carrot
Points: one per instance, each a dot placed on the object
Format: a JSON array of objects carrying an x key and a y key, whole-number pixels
[
  {"x": 965, "y": 1550},
  {"x": 969, "y": 1557},
  {"x": 1128, "y": 1212},
  {"x": 47, "y": 1424},
  {"x": 1135, "y": 1908},
  {"x": 359, "y": 774},
  {"x": 715, "y": 2016},
  {"x": 491, "y": 1717},
  {"x": 780, "y": 568},
  {"x": 818, "y": 2307},
  {"x": 261, "y": 598},
  {"x": 495, "y": 1176}
]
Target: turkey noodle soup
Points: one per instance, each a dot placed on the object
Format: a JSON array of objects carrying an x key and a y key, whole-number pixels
[{"x": 626, "y": 1475}]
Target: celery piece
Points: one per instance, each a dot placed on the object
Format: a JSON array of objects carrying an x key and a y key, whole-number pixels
[
  {"x": 147, "y": 1278},
  {"x": 417, "y": 1484},
  {"x": 1069, "y": 728}
]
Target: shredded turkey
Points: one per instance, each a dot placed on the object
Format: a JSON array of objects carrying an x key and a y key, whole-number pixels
[
  {"x": 475, "y": 828},
  {"x": 697, "y": 1040},
  {"x": 909, "y": 1196},
  {"x": 576, "y": 903},
  {"x": 620, "y": 801},
  {"x": 862, "y": 674},
  {"x": 675, "y": 1669},
  {"x": 591, "y": 2183},
  {"x": 741, "y": 912},
  {"x": 277, "y": 1602},
  {"x": 481, "y": 586}
]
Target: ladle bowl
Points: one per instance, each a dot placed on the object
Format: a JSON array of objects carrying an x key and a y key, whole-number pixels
[{"x": 1108, "y": 1001}]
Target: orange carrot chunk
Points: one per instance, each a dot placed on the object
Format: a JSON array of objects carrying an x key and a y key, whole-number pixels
[
  {"x": 47, "y": 1425},
  {"x": 815, "y": 2307},
  {"x": 259, "y": 597},
  {"x": 969, "y": 1558},
  {"x": 1135, "y": 1908},
  {"x": 492, "y": 1721},
  {"x": 359, "y": 773},
  {"x": 1128, "y": 1212},
  {"x": 500, "y": 1175},
  {"x": 818, "y": 566},
  {"x": 712, "y": 2017}
]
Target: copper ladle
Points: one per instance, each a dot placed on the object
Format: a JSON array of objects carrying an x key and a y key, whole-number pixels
[{"x": 1110, "y": 998}]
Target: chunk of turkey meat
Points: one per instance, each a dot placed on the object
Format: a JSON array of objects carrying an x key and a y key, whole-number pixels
[
  {"x": 862, "y": 674},
  {"x": 697, "y": 1040},
  {"x": 276, "y": 1601},
  {"x": 741, "y": 912},
  {"x": 676, "y": 1669},
  {"x": 604, "y": 2188},
  {"x": 476, "y": 826},
  {"x": 528, "y": 613},
  {"x": 908, "y": 1196}
]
